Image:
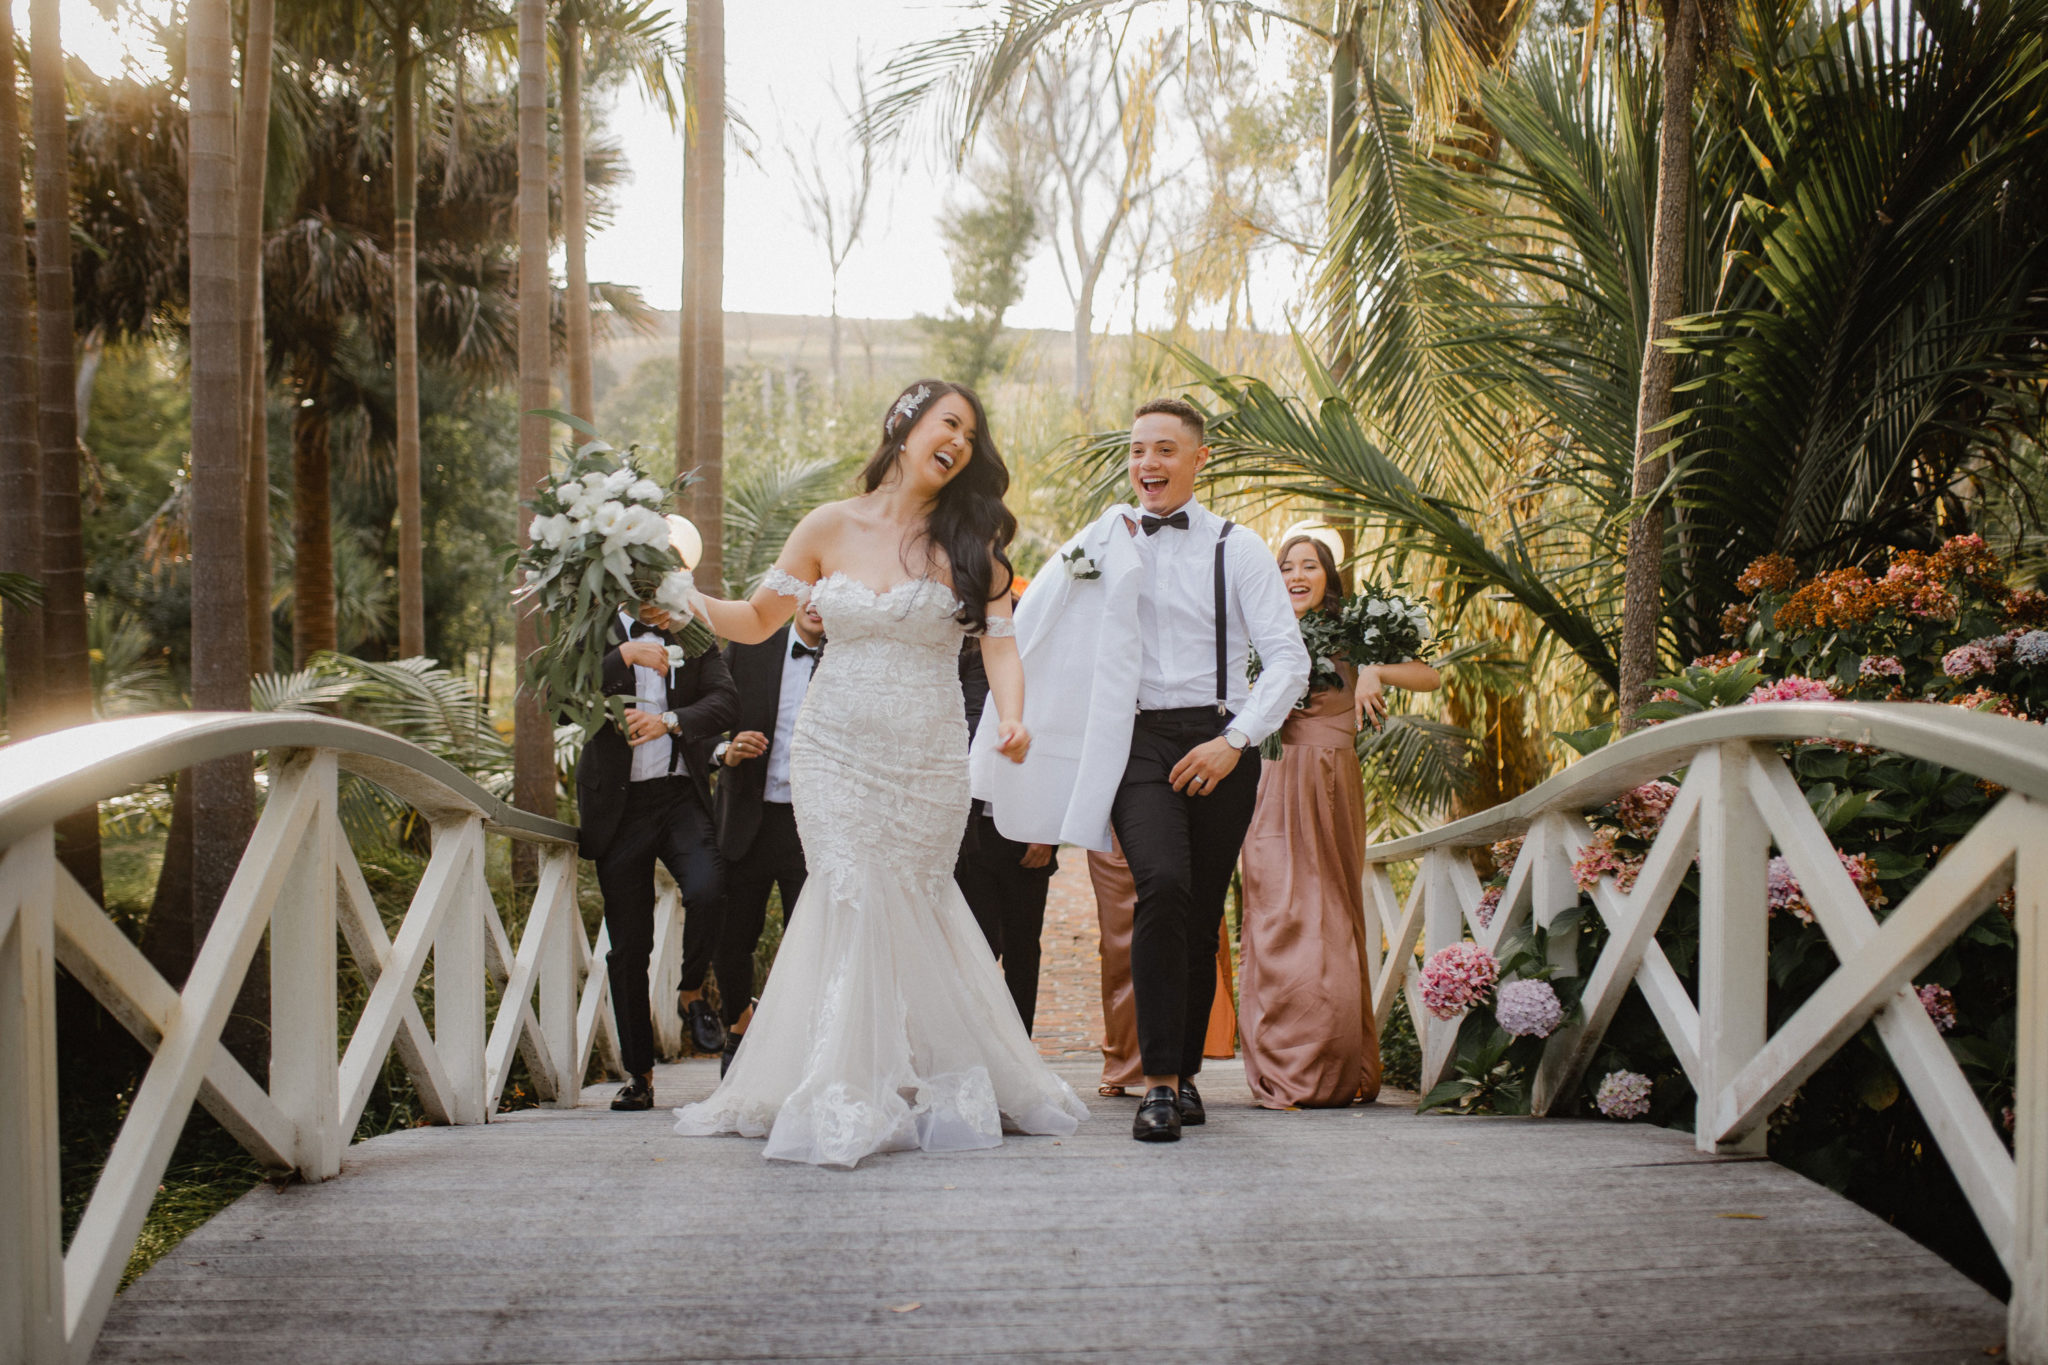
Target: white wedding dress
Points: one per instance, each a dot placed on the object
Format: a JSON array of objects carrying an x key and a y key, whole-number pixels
[{"x": 885, "y": 1024}]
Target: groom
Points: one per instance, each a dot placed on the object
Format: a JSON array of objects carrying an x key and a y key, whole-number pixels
[{"x": 1135, "y": 641}]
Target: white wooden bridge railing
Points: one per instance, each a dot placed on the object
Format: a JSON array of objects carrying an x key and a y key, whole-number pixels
[
  {"x": 298, "y": 879},
  {"x": 1737, "y": 800}
]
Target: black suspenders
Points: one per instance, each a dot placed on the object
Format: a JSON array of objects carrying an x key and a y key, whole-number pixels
[{"x": 1222, "y": 628}]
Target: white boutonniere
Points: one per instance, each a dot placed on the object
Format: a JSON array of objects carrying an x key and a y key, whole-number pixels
[
  {"x": 1079, "y": 566},
  {"x": 676, "y": 657}
]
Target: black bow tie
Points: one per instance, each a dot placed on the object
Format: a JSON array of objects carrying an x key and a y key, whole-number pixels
[
  {"x": 641, "y": 628},
  {"x": 798, "y": 650},
  {"x": 1178, "y": 521}
]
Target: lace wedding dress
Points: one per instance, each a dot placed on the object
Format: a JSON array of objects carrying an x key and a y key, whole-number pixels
[{"x": 885, "y": 1025}]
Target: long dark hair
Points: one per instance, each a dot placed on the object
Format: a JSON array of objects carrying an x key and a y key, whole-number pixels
[
  {"x": 969, "y": 522},
  {"x": 1333, "y": 586}
]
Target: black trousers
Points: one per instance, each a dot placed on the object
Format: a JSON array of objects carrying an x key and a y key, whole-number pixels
[
  {"x": 667, "y": 820},
  {"x": 1181, "y": 849},
  {"x": 1008, "y": 901},
  {"x": 776, "y": 860}
]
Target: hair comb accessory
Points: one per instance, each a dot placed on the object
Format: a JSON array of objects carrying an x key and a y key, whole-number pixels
[{"x": 905, "y": 409}]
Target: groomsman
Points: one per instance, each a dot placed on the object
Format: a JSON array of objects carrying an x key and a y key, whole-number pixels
[
  {"x": 643, "y": 794},
  {"x": 756, "y": 822},
  {"x": 1005, "y": 882},
  {"x": 1134, "y": 643}
]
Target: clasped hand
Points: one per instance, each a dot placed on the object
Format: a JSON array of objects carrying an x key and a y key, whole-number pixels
[
  {"x": 643, "y": 726},
  {"x": 1204, "y": 766}
]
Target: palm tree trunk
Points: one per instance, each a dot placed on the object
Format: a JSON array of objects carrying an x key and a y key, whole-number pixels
[
  {"x": 313, "y": 627},
  {"x": 704, "y": 257},
  {"x": 575, "y": 222},
  {"x": 67, "y": 677},
  {"x": 412, "y": 631},
  {"x": 223, "y": 792},
  {"x": 1642, "y": 584},
  {"x": 252, "y": 157},
  {"x": 21, "y": 477},
  {"x": 533, "y": 755}
]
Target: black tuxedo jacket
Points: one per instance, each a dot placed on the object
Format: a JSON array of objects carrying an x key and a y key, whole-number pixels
[
  {"x": 757, "y": 673},
  {"x": 701, "y": 694}
]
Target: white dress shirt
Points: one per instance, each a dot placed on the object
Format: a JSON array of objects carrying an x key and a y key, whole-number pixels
[
  {"x": 1177, "y": 624},
  {"x": 650, "y": 685},
  {"x": 796, "y": 681}
]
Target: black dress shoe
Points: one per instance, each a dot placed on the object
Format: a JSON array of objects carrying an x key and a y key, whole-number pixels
[
  {"x": 636, "y": 1093},
  {"x": 1158, "y": 1117},
  {"x": 1191, "y": 1110},
  {"x": 732, "y": 1050},
  {"x": 705, "y": 1031}
]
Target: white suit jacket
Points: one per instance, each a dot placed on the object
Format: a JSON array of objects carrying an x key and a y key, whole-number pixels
[{"x": 1080, "y": 695}]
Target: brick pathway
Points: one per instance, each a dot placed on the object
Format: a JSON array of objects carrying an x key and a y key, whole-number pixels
[{"x": 1069, "y": 1022}]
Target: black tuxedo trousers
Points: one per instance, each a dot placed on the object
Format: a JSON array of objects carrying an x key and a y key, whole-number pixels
[
  {"x": 1181, "y": 850},
  {"x": 775, "y": 858},
  {"x": 664, "y": 819}
]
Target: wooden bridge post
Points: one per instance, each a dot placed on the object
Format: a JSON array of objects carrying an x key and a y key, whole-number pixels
[
  {"x": 31, "y": 1219},
  {"x": 2027, "y": 1316},
  {"x": 558, "y": 984},
  {"x": 1734, "y": 972},
  {"x": 459, "y": 1020},
  {"x": 304, "y": 1076},
  {"x": 1552, "y": 890}
]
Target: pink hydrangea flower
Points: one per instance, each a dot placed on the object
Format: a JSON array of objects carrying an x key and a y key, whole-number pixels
[
  {"x": 1967, "y": 661},
  {"x": 1940, "y": 1006},
  {"x": 1528, "y": 1009},
  {"x": 1488, "y": 907},
  {"x": 1642, "y": 811},
  {"x": 1600, "y": 859},
  {"x": 1624, "y": 1095},
  {"x": 1456, "y": 978},
  {"x": 1791, "y": 689},
  {"x": 1505, "y": 852},
  {"x": 1782, "y": 890},
  {"x": 1881, "y": 666}
]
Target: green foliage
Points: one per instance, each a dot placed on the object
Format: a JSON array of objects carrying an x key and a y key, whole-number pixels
[{"x": 987, "y": 247}]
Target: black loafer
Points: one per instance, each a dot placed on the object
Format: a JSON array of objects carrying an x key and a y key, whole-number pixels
[
  {"x": 1190, "y": 1103},
  {"x": 1158, "y": 1117},
  {"x": 705, "y": 1031},
  {"x": 732, "y": 1050},
  {"x": 636, "y": 1093}
]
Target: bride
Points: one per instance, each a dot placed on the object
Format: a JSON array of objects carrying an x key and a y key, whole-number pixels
[{"x": 886, "y": 1025}]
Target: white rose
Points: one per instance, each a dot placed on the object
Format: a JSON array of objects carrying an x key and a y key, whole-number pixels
[
  {"x": 609, "y": 518},
  {"x": 550, "y": 531},
  {"x": 645, "y": 491},
  {"x": 593, "y": 481},
  {"x": 1377, "y": 607},
  {"x": 579, "y": 526},
  {"x": 584, "y": 506},
  {"x": 568, "y": 492},
  {"x": 676, "y": 657},
  {"x": 635, "y": 528},
  {"x": 618, "y": 481}
]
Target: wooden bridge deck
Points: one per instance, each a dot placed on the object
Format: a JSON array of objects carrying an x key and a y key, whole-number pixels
[{"x": 1360, "y": 1235}]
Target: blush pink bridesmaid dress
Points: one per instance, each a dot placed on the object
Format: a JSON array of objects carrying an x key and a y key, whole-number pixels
[{"x": 1304, "y": 1004}]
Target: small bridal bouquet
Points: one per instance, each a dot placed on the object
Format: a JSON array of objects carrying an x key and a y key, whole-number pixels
[
  {"x": 601, "y": 540},
  {"x": 1375, "y": 625}
]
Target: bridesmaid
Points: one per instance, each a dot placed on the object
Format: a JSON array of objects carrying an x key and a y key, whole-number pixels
[{"x": 1306, "y": 1012}]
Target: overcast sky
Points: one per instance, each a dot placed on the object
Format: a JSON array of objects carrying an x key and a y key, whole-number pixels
[{"x": 784, "y": 58}]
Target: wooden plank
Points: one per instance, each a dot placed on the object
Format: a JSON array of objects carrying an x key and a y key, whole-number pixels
[
  {"x": 2027, "y": 1325},
  {"x": 1348, "y": 1235},
  {"x": 1734, "y": 971},
  {"x": 127, "y": 1183},
  {"x": 303, "y": 1037},
  {"x": 109, "y": 965},
  {"x": 31, "y": 1221}
]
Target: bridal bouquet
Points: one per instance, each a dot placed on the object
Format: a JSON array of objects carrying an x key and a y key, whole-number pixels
[
  {"x": 600, "y": 540},
  {"x": 1375, "y": 625}
]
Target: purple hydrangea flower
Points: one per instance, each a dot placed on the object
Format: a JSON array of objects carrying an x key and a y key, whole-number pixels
[
  {"x": 1624, "y": 1095},
  {"x": 1528, "y": 1009}
]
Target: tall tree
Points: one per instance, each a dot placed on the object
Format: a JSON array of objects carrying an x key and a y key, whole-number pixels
[
  {"x": 1688, "y": 24},
  {"x": 252, "y": 155},
  {"x": 21, "y": 512},
  {"x": 576, "y": 216},
  {"x": 223, "y": 796},
  {"x": 67, "y": 676},
  {"x": 533, "y": 749},
  {"x": 405, "y": 185},
  {"x": 700, "y": 402}
]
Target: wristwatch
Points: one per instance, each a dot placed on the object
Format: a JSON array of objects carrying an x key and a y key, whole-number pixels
[
  {"x": 718, "y": 754},
  {"x": 668, "y": 721},
  {"x": 1236, "y": 738}
]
